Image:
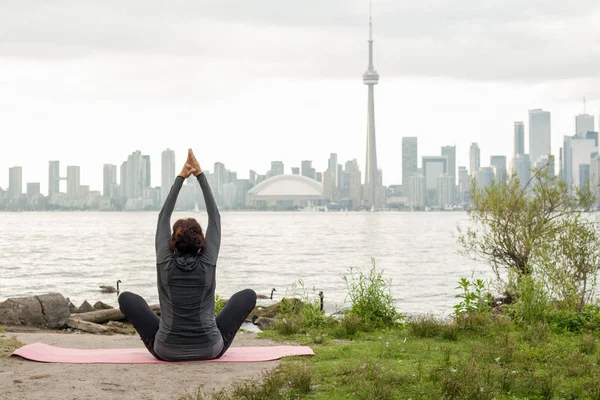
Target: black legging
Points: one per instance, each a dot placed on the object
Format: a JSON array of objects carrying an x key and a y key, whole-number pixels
[{"x": 229, "y": 320}]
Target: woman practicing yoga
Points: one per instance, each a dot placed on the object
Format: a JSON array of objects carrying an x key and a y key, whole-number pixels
[{"x": 186, "y": 263}]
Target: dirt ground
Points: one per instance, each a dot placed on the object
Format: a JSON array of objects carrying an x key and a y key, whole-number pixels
[{"x": 24, "y": 380}]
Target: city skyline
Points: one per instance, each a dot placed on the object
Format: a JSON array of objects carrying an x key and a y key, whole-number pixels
[
  {"x": 166, "y": 165},
  {"x": 85, "y": 98}
]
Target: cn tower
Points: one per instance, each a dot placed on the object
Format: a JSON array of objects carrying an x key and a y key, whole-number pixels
[{"x": 371, "y": 78}]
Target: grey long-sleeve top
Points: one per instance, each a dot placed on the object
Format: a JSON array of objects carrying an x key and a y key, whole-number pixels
[{"x": 186, "y": 287}]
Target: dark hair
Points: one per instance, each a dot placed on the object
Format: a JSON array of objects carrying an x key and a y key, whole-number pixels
[{"x": 187, "y": 237}]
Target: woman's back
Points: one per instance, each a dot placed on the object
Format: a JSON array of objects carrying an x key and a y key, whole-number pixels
[{"x": 186, "y": 288}]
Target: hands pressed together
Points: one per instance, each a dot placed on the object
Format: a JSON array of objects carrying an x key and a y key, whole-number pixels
[{"x": 191, "y": 166}]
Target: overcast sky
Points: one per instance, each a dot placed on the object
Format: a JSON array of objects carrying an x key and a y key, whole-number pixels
[{"x": 246, "y": 82}]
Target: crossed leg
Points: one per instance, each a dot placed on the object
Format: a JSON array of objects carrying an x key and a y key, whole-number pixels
[{"x": 141, "y": 316}]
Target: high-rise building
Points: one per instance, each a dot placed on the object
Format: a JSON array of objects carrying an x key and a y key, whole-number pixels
[
  {"x": 373, "y": 179},
  {"x": 53, "y": 178},
  {"x": 539, "y": 134},
  {"x": 595, "y": 175},
  {"x": 474, "y": 158},
  {"x": 15, "y": 182},
  {"x": 308, "y": 170},
  {"x": 332, "y": 167},
  {"x": 409, "y": 158},
  {"x": 416, "y": 191},
  {"x": 433, "y": 168},
  {"x": 445, "y": 190},
  {"x": 135, "y": 175},
  {"x": 584, "y": 176},
  {"x": 331, "y": 179},
  {"x": 109, "y": 179},
  {"x": 464, "y": 184},
  {"x": 146, "y": 173},
  {"x": 519, "y": 139},
  {"x": 73, "y": 181},
  {"x": 352, "y": 187},
  {"x": 450, "y": 152},
  {"x": 575, "y": 152},
  {"x": 167, "y": 173},
  {"x": 277, "y": 168},
  {"x": 499, "y": 165},
  {"x": 521, "y": 167},
  {"x": 221, "y": 177},
  {"x": 295, "y": 170},
  {"x": 484, "y": 177},
  {"x": 584, "y": 123}
]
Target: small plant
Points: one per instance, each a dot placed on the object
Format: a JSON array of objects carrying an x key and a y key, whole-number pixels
[
  {"x": 299, "y": 378},
  {"x": 533, "y": 301},
  {"x": 348, "y": 326},
  {"x": 267, "y": 386},
  {"x": 219, "y": 304},
  {"x": 473, "y": 297},
  {"x": 371, "y": 298}
]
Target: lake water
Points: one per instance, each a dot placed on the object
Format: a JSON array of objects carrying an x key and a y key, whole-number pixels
[{"x": 74, "y": 252}]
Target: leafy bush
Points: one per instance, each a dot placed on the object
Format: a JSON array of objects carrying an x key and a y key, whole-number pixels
[
  {"x": 588, "y": 320},
  {"x": 536, "y": 229},
  {"x": 370, "y": 297},
  {"x": 473, "y": 297}
]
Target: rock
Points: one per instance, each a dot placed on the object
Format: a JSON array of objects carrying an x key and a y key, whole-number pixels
[
  {"x": 86, "y": 307},
  {"x": 291, "y": 305},
  {"x": 72, "y": 307},
  {"x": 102, "y": 306},
  {"x": 85, "y": 326},
  {"x": 48, "y": 311}
]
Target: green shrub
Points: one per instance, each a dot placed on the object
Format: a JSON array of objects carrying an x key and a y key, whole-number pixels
[
  {"x": 533, "y": 302},
  {"x": 219, "y": 304},
  {"x": 371, "y": 298},
  {"x": 473, "y": 298},
  {"x": 299, "y": 377},
  {"x": 348, "y": 326},
  {"x": 287, "y": 325}
]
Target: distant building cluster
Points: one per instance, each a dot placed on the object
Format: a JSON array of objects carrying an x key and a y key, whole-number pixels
[{"x": 436, "y": 184}]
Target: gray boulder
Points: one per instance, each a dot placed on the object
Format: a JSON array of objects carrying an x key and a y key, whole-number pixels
[
  {"x": 85, "y": 307},
  {"x": 46, "y": 311}
]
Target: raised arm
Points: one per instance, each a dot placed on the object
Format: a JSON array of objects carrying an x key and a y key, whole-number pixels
[
  {"x": 163, "y": 228},
  {"x": 210, "y": 253}
]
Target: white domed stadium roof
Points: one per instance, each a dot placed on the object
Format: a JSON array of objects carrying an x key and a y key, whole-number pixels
[{"x": 288, "y": 186}]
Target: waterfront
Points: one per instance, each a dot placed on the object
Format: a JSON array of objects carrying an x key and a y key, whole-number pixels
[{"x": 75, "y": 252}]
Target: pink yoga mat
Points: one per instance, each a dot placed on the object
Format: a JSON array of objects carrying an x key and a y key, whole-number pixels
[{"x": 50, "y": 354}]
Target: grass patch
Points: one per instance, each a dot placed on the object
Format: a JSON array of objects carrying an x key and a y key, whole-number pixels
[
  {"x": 426, "y": 358},
  {"x": 8, "y": 345}
]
